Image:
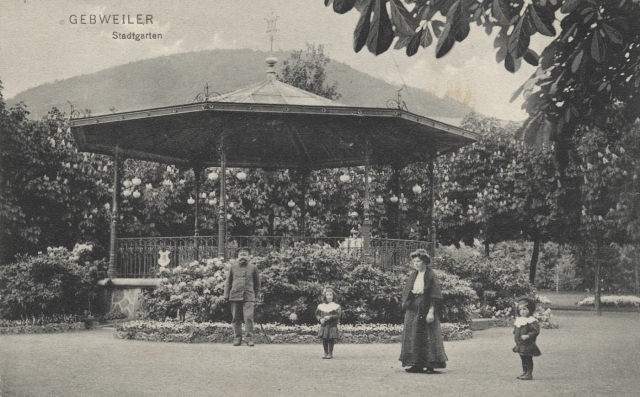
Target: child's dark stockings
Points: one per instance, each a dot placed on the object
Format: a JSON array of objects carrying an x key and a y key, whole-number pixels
[
  {"x": 328, "y": 347},
  {"x": 527, "y": 363}
]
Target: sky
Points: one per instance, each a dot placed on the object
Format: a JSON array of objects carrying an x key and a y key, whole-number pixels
[{"x": 40, "y": 44}]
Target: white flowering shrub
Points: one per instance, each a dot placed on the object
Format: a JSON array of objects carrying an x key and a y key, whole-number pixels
[
  {"x": 52, "y": 283},
  {"x": 193, "y": 291},
  {"x": 612, "y": 300}
]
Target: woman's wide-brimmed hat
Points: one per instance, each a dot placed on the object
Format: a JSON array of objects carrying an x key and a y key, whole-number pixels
[{"x": 422, "y": 254}]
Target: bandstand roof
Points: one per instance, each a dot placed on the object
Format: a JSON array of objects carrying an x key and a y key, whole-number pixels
[{"x": 270, "y": 125}]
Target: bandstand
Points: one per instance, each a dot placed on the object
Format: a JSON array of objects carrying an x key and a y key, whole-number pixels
[{"x": 269, "y": 125}]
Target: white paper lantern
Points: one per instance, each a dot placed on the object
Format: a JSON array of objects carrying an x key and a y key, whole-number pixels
[
  {"x": 212, "y": 176},
  {"x": 191, "y": 201},
  {"x": 417, "y": 189}
]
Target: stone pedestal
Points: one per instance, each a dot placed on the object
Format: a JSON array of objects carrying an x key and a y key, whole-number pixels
[{"x": 125, "y": 295}]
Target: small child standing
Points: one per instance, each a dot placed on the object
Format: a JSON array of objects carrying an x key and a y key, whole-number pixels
[
  {"x": 328, "y": 314},
  {"x": 526, "y": 330}
]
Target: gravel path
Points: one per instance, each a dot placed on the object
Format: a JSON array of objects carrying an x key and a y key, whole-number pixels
[{"x": 587, "y": 356}]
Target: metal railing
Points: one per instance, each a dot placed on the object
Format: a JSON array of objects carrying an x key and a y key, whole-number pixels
[{"x": 138, "y": 257}]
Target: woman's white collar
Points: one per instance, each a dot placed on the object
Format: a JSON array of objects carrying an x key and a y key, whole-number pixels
[
  {"x": 520, "y": 321},
  {"x": 328, "y": 307}
]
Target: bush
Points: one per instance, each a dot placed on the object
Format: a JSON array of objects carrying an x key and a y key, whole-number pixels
[
  {"x": 58, "y": 282},
  {"x": 292, "y": 281},
  {"x": 294, "y": 278},
  {"x": 194, "y": 291},
  {"x": 497, "y": 280}
]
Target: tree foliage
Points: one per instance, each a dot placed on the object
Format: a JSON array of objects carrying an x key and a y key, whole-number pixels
[
  {"x": 306, "y": 70},
  {"x": 51, "y": 195},
  {"x": 590, "y": 71}
]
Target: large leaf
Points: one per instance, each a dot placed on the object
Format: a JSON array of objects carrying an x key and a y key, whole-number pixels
[
  {"x": 569, "y": 5},
  {"x": 531, "y": 57},
  {"x": 548, "y": 55},
  {"x": 342, "y": 6},
  {"x": 460, "y": 26},
  {"x": 446, "y": 41},
  {"x": 456, "y": 28},
  {"x": 437, "y": 27},
  {"x": 501, "y": 11},
  {"x": 577, "y": 61},
  {"x": 519, "y": 39},
  {"x": 362, "y": 29},
  {"x": 517, "y": 93},
  {"x": 381, "y": 34},
  {"x": 414, "y": 44},
  {"x": 403, "y": 21},
  {"x": 509, "y": 63},
  {"x": 612, "y": 33},
  {"x": 543, "y": 21},
  {"x": 598, "y": 47},
  {"x": 402, "y": 42},
  {"x": 427, "y": 39}
]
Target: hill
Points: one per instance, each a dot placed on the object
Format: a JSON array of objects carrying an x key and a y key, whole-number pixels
[{"x": 177, "y": 79}]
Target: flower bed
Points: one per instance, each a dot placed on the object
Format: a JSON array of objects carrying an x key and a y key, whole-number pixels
[
  {"x": 43, "y": 329},
  {"x": 191, "y": 332},
  {"x": 612, "y": 301}
]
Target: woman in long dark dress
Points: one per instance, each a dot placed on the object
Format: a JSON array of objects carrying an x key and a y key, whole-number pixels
[{"x": 422, "y": 343}]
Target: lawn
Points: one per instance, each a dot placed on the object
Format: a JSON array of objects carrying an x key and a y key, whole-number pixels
[
  {"x": 564, "y": 298},
  {"x": 586, "y": 356}
]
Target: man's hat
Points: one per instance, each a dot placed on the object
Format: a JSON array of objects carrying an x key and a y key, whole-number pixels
[{"x": 243, "y": 252}]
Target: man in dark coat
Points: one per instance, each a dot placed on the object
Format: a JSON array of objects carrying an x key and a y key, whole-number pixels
[{"x": 241, "y": 288}]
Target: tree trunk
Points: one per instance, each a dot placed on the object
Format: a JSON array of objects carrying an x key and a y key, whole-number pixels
[
  {"x": 486, "y": 249},
  {"x": 557, "y": 278},
  {"x": 634, "y": 258},
  {"x": 597, "y": 302},
  {"x": 534, "y": 260}
]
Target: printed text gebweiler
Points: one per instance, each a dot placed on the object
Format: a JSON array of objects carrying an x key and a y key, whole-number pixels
[{"x": 113, "y": 19}]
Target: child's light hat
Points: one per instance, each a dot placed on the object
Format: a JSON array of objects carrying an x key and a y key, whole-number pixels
[{"x": 328, "y": 288}]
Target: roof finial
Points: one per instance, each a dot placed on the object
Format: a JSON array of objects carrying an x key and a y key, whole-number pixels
[
  {"x": 271, "y": 60},
  {"x": 271, "y": 28}
]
